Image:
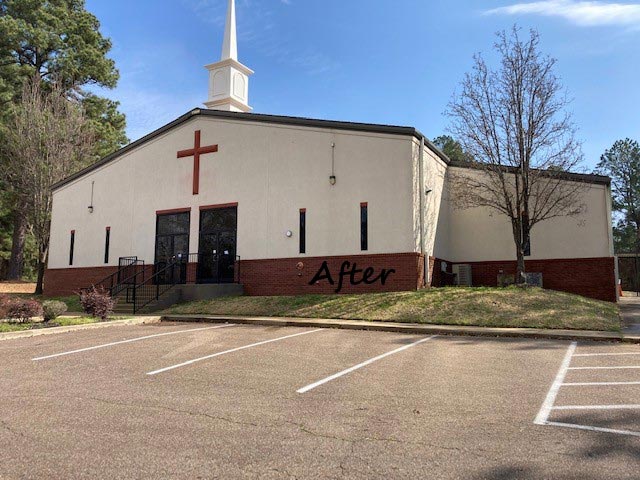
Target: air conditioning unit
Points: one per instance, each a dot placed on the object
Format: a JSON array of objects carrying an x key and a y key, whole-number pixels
[{"x": 463, "y": 274}]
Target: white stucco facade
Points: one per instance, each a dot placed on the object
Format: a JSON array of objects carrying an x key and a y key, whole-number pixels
[{"x": 271, "y": 172}]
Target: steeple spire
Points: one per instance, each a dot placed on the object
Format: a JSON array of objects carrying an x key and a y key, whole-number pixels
[
  {"x": 230, "y": 44},
  {"x": 228, "y": 78}
]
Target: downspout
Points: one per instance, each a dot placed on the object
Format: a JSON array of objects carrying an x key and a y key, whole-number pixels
[{"x": 421, "y": 196}]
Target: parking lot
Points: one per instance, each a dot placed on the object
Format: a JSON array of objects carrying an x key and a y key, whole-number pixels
[{"x": 229, "y": 401}]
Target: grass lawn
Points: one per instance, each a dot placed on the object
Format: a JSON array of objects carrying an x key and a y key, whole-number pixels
[{"x": 488, "y": 307}]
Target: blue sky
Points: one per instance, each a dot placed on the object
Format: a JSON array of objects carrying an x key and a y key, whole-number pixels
[{"x": 384, "y": 61}]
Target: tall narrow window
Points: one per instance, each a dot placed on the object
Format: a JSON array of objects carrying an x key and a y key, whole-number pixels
[
  {"x": 364, "y": 232},
  {"x": 71, "y": 246},
  {"x": 107, "y": 237},
  {"x": 303, "y": 230}
]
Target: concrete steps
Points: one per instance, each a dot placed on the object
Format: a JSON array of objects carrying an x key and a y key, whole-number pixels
[{"x": 179, "y": 293}]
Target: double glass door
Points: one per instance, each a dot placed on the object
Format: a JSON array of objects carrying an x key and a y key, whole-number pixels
[
  {"x": 217, "y": 246},
  {"x": 172, "y": 245}
]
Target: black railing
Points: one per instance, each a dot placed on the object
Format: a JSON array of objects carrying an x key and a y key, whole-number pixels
[
  {"x": 203, "y": 268},
  {"x": 151, "y": 289},
  {"x": 130, "y": 270}
]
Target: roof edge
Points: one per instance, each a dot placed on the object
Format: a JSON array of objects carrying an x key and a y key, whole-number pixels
[
  {"x": 259, "y": 118},
  {"x": 577, "y": 177}
]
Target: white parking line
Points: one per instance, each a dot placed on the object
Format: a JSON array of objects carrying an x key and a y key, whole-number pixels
[
  {"x": 131, "y": 340},
  {"x": 360, "y": 365},
  {"x": 605, "y": 354},
  {"x": 604, "y": 368},
  {"x": 597, "y": 407},
  {"x": 594, "y": 429},
  {"x": 597, "y": 384},
  {"x": 190, "y": 362},
  {"x": 545, "y": 410}
]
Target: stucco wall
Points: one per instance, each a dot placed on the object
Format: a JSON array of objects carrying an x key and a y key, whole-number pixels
[
  {"x": 430, "y": 204},
  {"x": 479, "y": 234},
  {"x": 271, "y": 171}
]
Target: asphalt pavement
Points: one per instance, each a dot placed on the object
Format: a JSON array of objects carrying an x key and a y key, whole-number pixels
[{"x": 236, "y": 401}]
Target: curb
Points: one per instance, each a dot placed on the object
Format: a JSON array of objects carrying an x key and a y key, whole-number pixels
[
  {"x": 72, "y": 328},
  {"x": 412, "y": 328}
]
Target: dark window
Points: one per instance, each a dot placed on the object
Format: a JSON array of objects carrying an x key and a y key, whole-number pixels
[
  {"x": 106, "y": 244},
  {"x": 71, "y": 246},
  {"x": 172, "y": 236},
  {"x": 303, "y": 230},
  {"x": 364, "y": 233}
]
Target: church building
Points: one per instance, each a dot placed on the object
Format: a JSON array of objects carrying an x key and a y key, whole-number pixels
[{"x": 285, "y": 206}]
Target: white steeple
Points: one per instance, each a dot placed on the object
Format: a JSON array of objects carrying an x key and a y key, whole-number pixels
[
  {"x": 230, "y": 44},
  {"x": 228, "y": 78}
]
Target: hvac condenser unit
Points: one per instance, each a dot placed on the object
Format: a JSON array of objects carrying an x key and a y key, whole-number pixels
[{"x": 463, "y": 275}]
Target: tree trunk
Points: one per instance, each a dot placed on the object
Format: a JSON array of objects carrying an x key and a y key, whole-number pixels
[
  {"x": 42, "y": 265},
  {"x": 520, "y": 270},
  {"x": 519, "y": 239},
  {"x": 16, "y": 262}
]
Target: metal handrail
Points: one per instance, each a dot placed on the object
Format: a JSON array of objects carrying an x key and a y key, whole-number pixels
[
  {"x": 140, "y": 292},
  {"x": 108, "y": 283}
]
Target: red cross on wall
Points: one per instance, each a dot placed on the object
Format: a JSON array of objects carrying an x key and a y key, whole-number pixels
[{"x": 195, "y": 152}]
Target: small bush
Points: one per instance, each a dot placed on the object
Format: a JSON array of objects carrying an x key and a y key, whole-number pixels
[
  {"x": 52, "y": 309},
  {"x": 4, "y": 306},
  {"x": 97, "y": 303},
  {"x": 23, "y": 309}
]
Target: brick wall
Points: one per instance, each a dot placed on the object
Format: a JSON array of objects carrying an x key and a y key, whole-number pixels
[
  {"x": 62, "y": 282},
  {"x": 590, "y": 277},
  {"x": 291, "y": 276}
]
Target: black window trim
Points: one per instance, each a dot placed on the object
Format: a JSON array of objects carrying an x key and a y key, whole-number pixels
[
  {"x": 303, "y": 231},
  {"x": 72, "y": 245},
  {"x": 364, "y": 226},
  {"x": 107, "y": 241}
]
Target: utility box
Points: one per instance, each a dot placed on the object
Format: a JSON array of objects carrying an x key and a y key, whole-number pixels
[{"x": 463, "y": 275}]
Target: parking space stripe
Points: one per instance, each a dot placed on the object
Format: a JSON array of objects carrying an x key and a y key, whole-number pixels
[
  {"x": 597, "y": 407},
  {"x": 131, "y": 340},
  {"x": 605, "y": 368},
  {"x": 605, "y": 354},
  {"x": 545, "y": 410},
  {"x": 360, "y": 365},
  {"x": 595, "y": 384},
  {"x": 191, "y": 362},
  {"x": 594, "y": 429}
]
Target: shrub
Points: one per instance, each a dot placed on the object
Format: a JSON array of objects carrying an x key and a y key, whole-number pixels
[
  {"x": 23, "y": 309},
  {"x": 52, "y": 309},
  {"x": 97, "y": 303},
  {"x": 4, "y": 306}
]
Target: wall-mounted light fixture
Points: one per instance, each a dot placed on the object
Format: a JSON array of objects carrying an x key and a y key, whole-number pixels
[
  {"x": 289, "y": 234},
  {"x": 332, "y": 177},
  {"x": 90, "y": 207}
]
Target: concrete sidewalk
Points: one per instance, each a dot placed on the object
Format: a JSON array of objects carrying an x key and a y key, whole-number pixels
[
  {"x": 630, "y": 312},
  {"x": 72, "y": 328},
  {"x": 414, "y": 328}
]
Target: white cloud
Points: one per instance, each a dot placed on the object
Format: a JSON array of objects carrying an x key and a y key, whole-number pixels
[{"x": 582, "y": 13}]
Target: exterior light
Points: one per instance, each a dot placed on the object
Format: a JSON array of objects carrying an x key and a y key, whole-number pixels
[
  {"x": 332, "y": 179},
  {"x": 90, "y": 207},
  {"x": 289, "y": 234}
]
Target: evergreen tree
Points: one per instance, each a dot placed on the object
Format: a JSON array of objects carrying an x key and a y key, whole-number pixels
[
  {"x": 622, "y": 163},
  {"x": 60, "y": 41}
]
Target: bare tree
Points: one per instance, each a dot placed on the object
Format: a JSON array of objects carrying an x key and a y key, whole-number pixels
[
  {"x": 513, "y": 123},
  {"x": 47, "y": 139}
]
